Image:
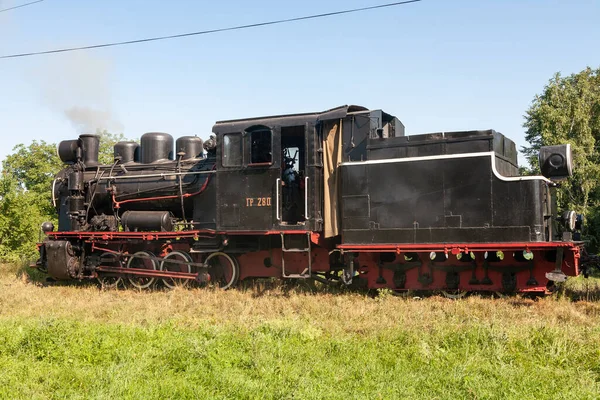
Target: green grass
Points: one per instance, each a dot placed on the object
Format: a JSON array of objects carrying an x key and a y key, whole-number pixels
[
  {"x": 580, "y": 288},
  {"x": 81, "y": 342},
  {"x": 60, "y": 358}
]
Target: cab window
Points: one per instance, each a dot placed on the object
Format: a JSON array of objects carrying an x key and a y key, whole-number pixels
[
  {"x": 232, "y": 150},
  {"x": 261, "y": 152}
]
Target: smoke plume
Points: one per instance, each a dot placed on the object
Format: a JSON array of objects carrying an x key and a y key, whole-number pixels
[
  {"x": 78, "y": 86},
  {"x": 86, "y": 119}
]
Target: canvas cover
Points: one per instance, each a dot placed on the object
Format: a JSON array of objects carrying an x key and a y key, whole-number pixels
[{"x": 332, "y": 158}]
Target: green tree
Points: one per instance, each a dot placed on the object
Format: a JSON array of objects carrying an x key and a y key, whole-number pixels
[
  {"x": 20, "y": 219},
  {"x": 26, "y": 193},
  {"x": 25, "y": 198},
  {"x": 568, "y": 111},
  {"x": 107, "y": 142},
  {"x": 33, "y": 168}
]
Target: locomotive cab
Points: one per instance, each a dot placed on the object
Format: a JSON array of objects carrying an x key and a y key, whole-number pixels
[
  {"x": 280, "y": 172},
  {"x": 263, "y": 175}
]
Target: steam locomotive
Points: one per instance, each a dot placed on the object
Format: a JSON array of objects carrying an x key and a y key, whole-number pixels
[{"x": 338, "y": 196}]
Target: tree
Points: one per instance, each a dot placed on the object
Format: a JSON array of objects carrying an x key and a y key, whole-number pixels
[
  {"x": 26, "y": 193},
  {"x": 32, "y": 169},
  {"x": 20, "y": 219},
  {"x": 25, "y": 198},
  {"x": 568, "y": 111},
  {"x": 107, "y": 142}
]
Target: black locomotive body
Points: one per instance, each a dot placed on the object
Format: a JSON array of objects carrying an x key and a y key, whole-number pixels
[
  {"x": 338, "y": 196},
  {"x": 447, "y": 187}
]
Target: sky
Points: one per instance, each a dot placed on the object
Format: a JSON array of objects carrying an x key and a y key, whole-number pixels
[{"x": 438, "y": 65}]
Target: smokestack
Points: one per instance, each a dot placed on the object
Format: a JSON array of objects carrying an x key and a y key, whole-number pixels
[{"x": 90, "y": 145}]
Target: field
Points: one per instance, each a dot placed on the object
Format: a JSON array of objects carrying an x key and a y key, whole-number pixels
[{"x": 271, "y": 342}]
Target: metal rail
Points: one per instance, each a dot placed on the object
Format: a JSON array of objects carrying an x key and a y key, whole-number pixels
[
  {"x": 457, "y": 247},
  {"x": 158, "y": 259},
  {"x": 155, "y": 273},
  {"x": 277, "y": 184},
  {"x": 306, "y": 198},
  {"x": 161, "y": 175},
  {"x": 54, "y": 192}
]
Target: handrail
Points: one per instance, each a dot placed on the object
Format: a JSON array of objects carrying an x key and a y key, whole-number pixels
[
  {"x": 306, "y": 198},
  {"x": 277, "y": 184},
  {"x": 160, "y": 175},
  {"x": 54, "y": 193}
]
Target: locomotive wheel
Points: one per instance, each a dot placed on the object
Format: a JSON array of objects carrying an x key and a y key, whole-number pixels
[
  {"x": 140, "y": 260},
  {"x": 165, "y": 265},
  {"x": 223, "y": 270},
  {"x": 110, "y": 260},
  {"x": 454, "y": 294}
]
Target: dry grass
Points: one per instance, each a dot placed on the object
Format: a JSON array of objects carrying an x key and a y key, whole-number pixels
[
  {"x": 268, "y": 342},
  {"x": 331, "y": 313}
]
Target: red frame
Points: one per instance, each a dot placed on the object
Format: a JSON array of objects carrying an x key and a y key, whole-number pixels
[{"x": 251, "y": 264}]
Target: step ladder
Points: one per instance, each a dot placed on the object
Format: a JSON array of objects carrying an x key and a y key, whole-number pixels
[{"x": 307, "y": 271}]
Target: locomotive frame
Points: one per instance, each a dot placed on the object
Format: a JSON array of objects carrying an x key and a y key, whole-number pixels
[{"x": 337, "y": 196}]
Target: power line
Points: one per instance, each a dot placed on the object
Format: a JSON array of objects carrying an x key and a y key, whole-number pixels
[
  {"x": 232, "y": 28},
  {"x": 22, "y": 5}
]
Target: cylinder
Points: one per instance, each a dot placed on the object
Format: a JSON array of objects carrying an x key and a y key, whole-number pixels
[
  {"x": 156, "y": 147},
  {"x": 90, "y": 144},
  {"x": 127, "y": 152},
  {"x": 61, "y": 260},
  {"x": 68, "y": 151},
  {"x": 190, "y": 145},
  {"x": 147, "y": 221}
]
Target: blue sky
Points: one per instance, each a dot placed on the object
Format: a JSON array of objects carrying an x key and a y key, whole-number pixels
[{"x": 437, "y": 65}]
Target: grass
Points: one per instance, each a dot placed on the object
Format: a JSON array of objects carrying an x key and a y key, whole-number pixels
[
  {"x": 581, "y": 288},
  {"x": 82, "y": 342}
]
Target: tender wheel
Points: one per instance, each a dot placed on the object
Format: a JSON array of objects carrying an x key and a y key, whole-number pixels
[
  {"x": 454, "y": 294},
  {"x": 223, "y": 270},
  {"x": 141, "y": 260},
  {"x": 181, "y": 265},
  {"x": 106, "y": 280}
]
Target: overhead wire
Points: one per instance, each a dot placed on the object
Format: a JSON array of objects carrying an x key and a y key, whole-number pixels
[
  {"x": 210, "y": 31},
  {"x": 20, "y": 5}
]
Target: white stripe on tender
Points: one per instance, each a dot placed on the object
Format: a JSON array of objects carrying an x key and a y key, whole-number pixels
[{"x": 490, "y": 154}]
